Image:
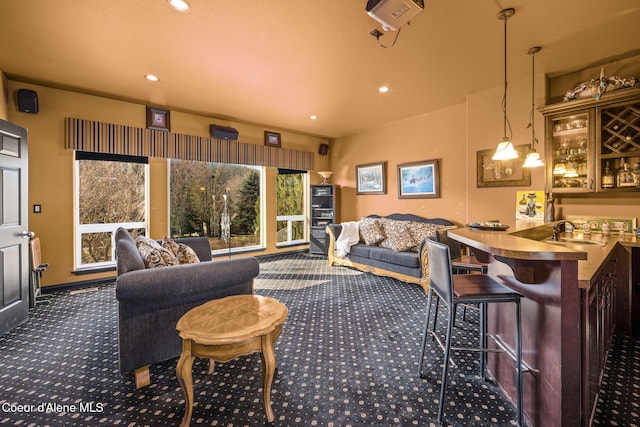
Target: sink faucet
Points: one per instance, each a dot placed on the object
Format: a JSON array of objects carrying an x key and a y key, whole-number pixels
[{"x": 556, "y": 229}]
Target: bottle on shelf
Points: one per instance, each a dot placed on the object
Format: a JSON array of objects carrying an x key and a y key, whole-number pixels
[
  {"x": 625, "y": 176},
  {"x": 608, "y": 179},
  {"x": 636, "y": 174}
]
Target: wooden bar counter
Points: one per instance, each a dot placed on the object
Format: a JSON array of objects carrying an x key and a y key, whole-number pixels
[{"x": 555, "y": 335}]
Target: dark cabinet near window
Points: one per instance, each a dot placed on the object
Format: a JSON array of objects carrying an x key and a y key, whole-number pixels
[{"x": 324, "y": 211}]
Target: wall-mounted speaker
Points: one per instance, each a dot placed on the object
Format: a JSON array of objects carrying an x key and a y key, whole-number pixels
[
  {"x": 223, "y": 132},
  {"x": 324, "y": 149},
  {"x": 27, "y": 101}
]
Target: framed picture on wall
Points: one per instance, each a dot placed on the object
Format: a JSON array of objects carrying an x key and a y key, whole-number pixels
[
  {"x": 371, "y": 178},
  {"x": 272, "y": 139},
  {"x": 502, "y": 173},
  {"x": 419, "y": 180},
  {"x": 158, "y": 119}
]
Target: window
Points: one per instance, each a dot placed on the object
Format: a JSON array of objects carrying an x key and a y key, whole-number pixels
[
  {"x": 291, "y": 197},
  {"x": 110, "y": 193},
  {"x": 197, "y": 203}
]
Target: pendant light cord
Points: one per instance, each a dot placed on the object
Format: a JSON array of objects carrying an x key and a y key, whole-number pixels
[
  {"x": 504, "y": 98},
  {"x": 532, "y": 118}
]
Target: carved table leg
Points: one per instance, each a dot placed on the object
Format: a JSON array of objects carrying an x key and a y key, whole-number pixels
[
  {"x": 268, "y": 368},
  {"x": 183, "y": 372}
]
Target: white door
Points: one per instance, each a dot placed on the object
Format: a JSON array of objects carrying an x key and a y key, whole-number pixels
[{"x": 14, "y": 236}]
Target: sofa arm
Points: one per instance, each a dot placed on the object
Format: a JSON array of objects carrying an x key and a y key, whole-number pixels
[
  {"x": 183, "y": 284},
  {"x": 333, "y": 230}
]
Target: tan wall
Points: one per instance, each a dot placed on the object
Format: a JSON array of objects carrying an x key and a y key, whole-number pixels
[
  {"x": 4, "y": 90},
  {"x": 424, "y": 137},
  {"x": 455, "y": 135},
  {"x": 51, "y": 168}
]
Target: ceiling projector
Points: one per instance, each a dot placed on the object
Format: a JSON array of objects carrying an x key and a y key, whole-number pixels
[{"x": 393, "y": 14}]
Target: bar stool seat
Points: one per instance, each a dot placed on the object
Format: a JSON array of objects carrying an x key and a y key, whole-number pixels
[{"x": 456, "y": 289}]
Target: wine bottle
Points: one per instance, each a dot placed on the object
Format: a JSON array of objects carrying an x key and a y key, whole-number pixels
[{"x": 608, "y": 179}]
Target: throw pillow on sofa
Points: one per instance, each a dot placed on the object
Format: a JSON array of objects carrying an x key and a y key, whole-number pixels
[
  {"x": 153, "y": 254},
  {"x": 398, "y": 235},
  {"x": 421, "y": 231},
  {"x": 183, "y": 252},
  {"x": 371, "y": 231}
]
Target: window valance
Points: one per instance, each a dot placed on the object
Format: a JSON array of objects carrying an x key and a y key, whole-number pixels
[{"x": 98, "y": 137}]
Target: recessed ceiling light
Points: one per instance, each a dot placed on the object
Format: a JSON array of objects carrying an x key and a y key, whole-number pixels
[
  {"x": 383, "y": 89},
  {"x": 152, "y": 77},
  {"x": 313, "y": 117},
  {"x": 180, "y": 5}
]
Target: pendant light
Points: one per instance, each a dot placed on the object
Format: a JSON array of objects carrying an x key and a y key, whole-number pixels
[
  {"x": 505, "y": 150},
  {"x": 533, "y": 159}
]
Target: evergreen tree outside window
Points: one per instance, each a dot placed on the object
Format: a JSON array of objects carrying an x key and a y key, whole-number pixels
[
  {"x": 291, "y": 199},
  {"x": 196, "y": 202}
]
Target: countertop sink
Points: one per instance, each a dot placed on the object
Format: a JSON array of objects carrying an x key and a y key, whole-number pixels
[{"x": 568, "y": 241}]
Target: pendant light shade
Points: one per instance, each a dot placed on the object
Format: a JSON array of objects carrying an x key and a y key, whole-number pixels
[
  {"x": 533, "y": 159},
  {"x": 505, "y": 150}
]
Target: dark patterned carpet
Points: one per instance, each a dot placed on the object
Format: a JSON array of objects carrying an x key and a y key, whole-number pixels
[{"x": 348, "y": 356}]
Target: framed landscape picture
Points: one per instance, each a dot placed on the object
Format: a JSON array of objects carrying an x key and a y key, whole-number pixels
[
  {"x": 371, "y": 178},
  {"x": 419, "y": 180}
]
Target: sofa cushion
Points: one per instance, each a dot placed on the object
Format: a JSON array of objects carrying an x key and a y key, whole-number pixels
[
  {"x": 360, "y": 250},
  {"x": 127, "y": 255},
  {"x": 183, "y": 252},
  {"x": 153, "y": 254},
  {"x": 370, "y": 231},
  {"x": 406, "y": 259}
]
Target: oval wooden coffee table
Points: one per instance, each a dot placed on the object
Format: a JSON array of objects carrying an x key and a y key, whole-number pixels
[{"x": 224, "y": 329}]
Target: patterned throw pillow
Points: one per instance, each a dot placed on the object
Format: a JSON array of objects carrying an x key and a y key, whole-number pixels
[
  {"x": 370, "y": 231},
  {"x": 420, "y": 231},
  {"x": 153, "y": 254},
  {"x": 401, "y": 240},
  {"x": 184, "y": 253},
  {"x": 398, "y": 235}
]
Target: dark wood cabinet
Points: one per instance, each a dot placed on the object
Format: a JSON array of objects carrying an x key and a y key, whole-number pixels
[
  {"x": 599, "y": 324},
  {"x": 594, "y": 145},
  {"x": 324, "y": 211}
]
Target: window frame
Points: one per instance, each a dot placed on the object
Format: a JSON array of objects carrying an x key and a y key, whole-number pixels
[
  {"x": 81, "y": 229},
  {"x": 304, "y": 217},
  {"x": 228, "y": 251}
]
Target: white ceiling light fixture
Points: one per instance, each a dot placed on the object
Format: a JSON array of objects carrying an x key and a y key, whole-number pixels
[
  {"x": 505, "y": 150},
  {"x": 383, "y": 89},
  {"x": 151, "y": 77},
  {"x": 533, "y": 159},
  {"x": 313, "y": 117},
  {"x": 180, "y": 5}
]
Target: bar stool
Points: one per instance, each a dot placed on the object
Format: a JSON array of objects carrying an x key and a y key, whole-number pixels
[{"x": 455, "y": 289}]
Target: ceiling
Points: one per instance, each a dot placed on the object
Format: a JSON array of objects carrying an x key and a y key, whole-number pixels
[{"x": 276, "y": 62}]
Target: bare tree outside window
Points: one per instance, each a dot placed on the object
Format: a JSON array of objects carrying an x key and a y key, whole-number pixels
[{"x": 110, "y": 194}]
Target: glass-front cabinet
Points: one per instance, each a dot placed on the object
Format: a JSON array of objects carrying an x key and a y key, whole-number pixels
[
  {"x": 594, "y": 145},
  {"x": 571, "y": 144}
]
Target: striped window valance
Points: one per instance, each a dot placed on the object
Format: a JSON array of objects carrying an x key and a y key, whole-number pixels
[{"x": 97, "y": 137}]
